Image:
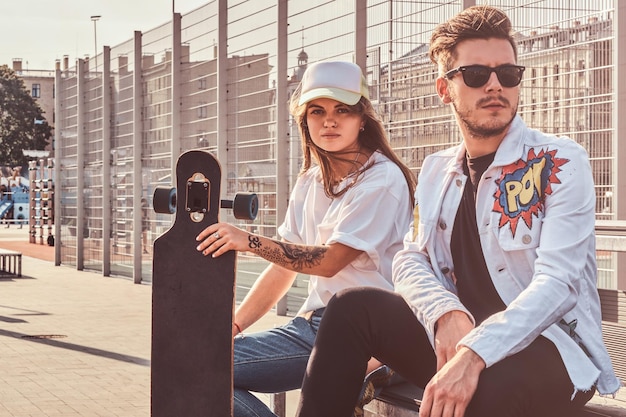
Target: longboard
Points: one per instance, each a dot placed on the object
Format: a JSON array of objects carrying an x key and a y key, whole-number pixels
[{"x": 193, "y": 296}]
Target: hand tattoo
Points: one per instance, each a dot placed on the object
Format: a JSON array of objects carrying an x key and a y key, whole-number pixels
[{"x": 254, "y": 242}]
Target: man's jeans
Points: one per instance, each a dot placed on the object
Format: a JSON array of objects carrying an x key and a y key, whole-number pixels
[{"x": 271, "y": 361}]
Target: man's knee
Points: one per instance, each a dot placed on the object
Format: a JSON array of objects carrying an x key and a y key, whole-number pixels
[
  {"x": 515, "y": 392},
  {"x": 497, "y": 396},
  {"x": 354, "y": 302}
]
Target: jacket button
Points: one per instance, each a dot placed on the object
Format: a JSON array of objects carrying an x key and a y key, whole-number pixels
[
  {"x": 459, "y": 182},
  {"x": 445, "y": 270},
  {"x": 527, "y": 239},
  {"x": 443, "y": 225}
]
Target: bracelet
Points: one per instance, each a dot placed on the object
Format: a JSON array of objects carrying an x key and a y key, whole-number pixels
[{"x": 238, "y": 329}]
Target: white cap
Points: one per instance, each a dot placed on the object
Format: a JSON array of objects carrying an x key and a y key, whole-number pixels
[{"x": 339, "y": 80}]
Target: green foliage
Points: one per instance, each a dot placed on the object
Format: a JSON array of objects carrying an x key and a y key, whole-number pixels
[{"x": 18, "y": 112}]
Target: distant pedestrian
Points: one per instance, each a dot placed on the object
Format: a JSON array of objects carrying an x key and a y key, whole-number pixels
[{"x": 145, "y": 224}]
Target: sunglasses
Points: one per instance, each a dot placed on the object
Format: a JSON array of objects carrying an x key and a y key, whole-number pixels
[{"x": 477, "y": 75}]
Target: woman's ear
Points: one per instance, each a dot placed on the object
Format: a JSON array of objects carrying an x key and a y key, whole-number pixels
[{"x": 443, "y": 90}]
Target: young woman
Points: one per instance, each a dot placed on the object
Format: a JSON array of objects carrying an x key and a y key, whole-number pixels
[{"x": 347, "y": 215}]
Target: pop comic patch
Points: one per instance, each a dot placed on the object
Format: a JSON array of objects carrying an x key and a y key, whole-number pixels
[{"x": 523, "y": 186}]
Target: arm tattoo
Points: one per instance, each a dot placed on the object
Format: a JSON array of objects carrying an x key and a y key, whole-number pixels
[{"x": 294, "y": 257}]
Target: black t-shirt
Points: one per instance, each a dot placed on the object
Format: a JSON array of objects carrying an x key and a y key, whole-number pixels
[{"x": 474, "y": 285}]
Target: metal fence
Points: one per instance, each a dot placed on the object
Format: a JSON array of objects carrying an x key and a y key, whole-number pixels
[{"x": 219, "y": 78}]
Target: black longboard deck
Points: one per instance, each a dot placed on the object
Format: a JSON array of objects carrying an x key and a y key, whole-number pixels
[{"x": 192, "y": 305}]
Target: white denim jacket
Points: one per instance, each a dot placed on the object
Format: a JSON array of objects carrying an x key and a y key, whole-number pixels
[{"x": 535, "y": 211}]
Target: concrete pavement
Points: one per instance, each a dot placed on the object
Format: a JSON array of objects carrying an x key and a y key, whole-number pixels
[{"x": 74, "y": 343}]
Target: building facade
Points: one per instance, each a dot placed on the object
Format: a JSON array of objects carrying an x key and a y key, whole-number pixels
[{"x": 40, "y": 85}]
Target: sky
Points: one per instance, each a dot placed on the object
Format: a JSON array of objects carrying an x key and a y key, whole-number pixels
[{"x": 42, "y": 31}]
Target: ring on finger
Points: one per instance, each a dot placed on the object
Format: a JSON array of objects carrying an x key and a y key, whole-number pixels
[{"x": 216, "y": 235}]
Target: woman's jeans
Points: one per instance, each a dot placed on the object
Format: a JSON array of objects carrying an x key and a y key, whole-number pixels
[{"x": 271, "y": 361}]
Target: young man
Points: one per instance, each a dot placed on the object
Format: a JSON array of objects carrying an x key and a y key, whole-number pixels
[{"x": 496, "y": 311}]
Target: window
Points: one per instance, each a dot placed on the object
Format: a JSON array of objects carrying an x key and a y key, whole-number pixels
[
  {"x": 36, "y": 91},
  {"x": 202, "y": 111}
]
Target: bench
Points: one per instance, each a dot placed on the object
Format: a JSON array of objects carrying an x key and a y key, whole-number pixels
[
  {"x": 10, "y": 263},
  {"x": 402, "y": 400}
]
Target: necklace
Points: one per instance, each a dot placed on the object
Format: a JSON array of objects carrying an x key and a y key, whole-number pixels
[
  {"x": 354, "y": 163},
  {"x": 354, "y": 172}
]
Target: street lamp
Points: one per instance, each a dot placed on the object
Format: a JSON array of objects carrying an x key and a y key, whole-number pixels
[{"x": 94, "y": 19}]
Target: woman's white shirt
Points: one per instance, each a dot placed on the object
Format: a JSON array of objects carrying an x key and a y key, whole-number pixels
[{"x": 373, "y": 216}]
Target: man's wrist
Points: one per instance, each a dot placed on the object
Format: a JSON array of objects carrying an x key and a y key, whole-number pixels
[
  {"x": 473, "y": 359},
  {"x": 451, "y": 316}
]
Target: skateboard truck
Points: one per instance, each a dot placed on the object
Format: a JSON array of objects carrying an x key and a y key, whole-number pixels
[{"x": 245, "y": 206}]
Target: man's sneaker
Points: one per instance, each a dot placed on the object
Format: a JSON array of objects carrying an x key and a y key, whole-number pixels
[{"x": 373, "y": 384}]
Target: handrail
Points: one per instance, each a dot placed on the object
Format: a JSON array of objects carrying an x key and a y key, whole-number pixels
[
  {"x": 611, "y": 227},
  {"x": 611, "y": 235}
]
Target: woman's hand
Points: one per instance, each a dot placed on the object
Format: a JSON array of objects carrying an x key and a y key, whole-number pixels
[{"x": 219, "y": 238}]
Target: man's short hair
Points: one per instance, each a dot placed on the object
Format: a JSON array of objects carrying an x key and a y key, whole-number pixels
[{"x": 476, "y": 22}]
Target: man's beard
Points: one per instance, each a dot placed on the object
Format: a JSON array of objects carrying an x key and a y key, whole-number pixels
[{"x": 478, "y": 131}]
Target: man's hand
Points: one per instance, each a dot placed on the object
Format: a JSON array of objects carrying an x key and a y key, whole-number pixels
[
  {"x": 451, "y": 389},
  {"x": 451, "y": 327}
]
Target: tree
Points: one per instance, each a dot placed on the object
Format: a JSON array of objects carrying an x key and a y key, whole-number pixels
[{"x": 18, "y": 115}]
